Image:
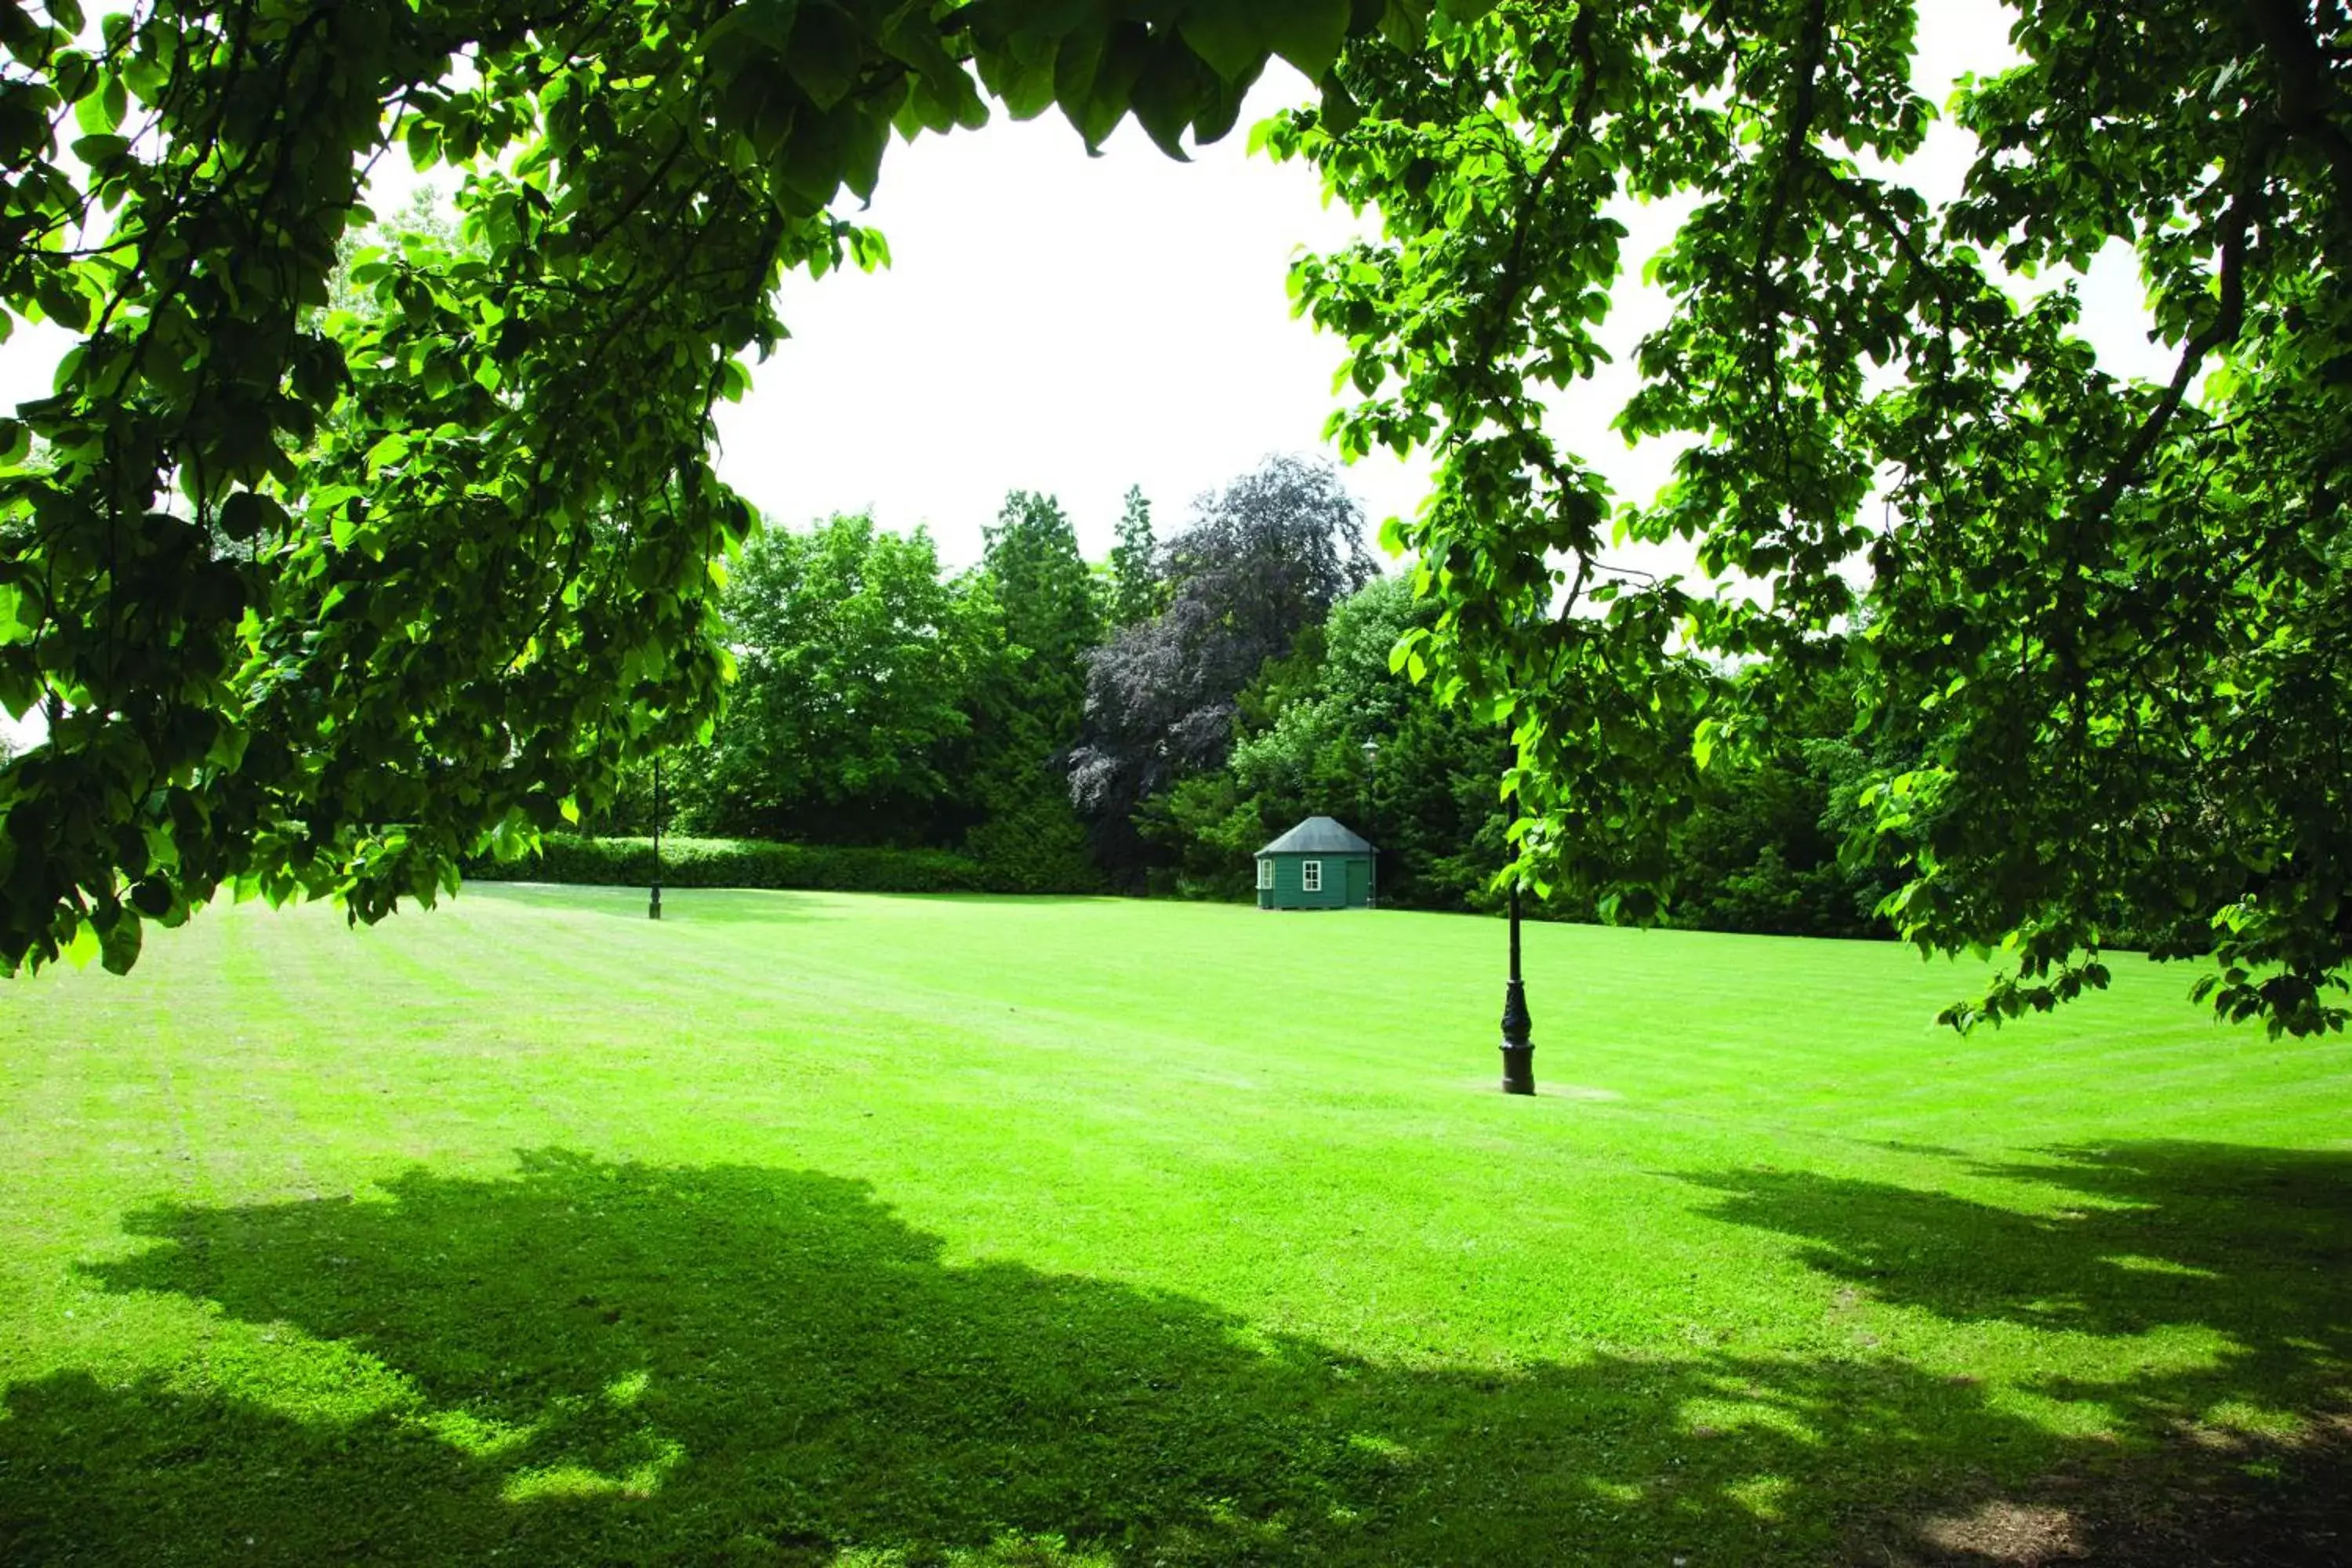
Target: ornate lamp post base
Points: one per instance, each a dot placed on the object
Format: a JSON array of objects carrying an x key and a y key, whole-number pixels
[{"x": 1519, "y": 1054}]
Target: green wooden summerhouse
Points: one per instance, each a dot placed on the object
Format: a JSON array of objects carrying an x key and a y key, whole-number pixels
[{"x": 1317, "y": 865}]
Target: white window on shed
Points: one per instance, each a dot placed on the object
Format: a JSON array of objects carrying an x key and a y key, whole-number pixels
[
  {"x": 1310, "y": 875},
  {"x": 1265, "y": 873}
]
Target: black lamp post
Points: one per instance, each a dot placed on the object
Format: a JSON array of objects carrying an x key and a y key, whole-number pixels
[
  {"x": 1372, "y": 755},
  {"x": 1519, "y": 1054},
  {"x": 653, "y": 906}
]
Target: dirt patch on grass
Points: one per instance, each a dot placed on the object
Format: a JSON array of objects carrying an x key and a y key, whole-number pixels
[
  {"x": 2211, "y": 1499},
  {"x": 2001, "y": 1531}
]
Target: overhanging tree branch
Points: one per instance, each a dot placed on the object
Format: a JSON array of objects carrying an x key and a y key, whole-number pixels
[{"x": 2229, "y": 318}]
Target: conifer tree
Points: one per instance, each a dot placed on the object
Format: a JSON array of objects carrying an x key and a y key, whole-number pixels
[{"x": 1137, "y": 592}]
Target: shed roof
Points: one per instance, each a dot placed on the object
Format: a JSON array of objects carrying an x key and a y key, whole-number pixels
[{"x": 1319, "y": 835}]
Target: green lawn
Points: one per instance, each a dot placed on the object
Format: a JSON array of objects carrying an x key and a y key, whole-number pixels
[{"x": 818, "y": 1229}]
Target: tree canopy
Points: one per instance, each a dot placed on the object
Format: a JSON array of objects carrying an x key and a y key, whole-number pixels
[
  {"x": 316, "y": 599},
  {"x": 318, "y": 594},
  {"x": 851, "y": 656},
  {"x": 2107, "y": 618}
]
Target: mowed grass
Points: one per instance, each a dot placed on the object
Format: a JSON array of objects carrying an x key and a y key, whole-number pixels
[{"x": 817, "y": 1229}]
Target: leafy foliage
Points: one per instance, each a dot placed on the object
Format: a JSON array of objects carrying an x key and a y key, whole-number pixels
[
  {"x": 1045, "y": 598},
  {"x": 1765, "y": 848},
  {"x": 852, "y": 654},
  {"x": 2112, "y": 614},
  {"x": 1760, "y": 850},
  {"x": 473, "y": 522}
]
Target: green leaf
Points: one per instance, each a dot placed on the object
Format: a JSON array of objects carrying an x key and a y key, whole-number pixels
[
  {"x": 1340, "y": 112},
  {"x": 916, "y": 41},
  {"x": 1220, "y": 108},
  {"x": 1228, "y": 33},
  {"x": 768, "y": 22},
  {"x": 98, "y": 152},
  {"x": 812, "y": 165},
  {"x": 101, "y": 107},
  {"x": 250, "y": 513},
  {"x": 1405, "y": 23},
  {"x": 827, "y": 52},
  {"x": 62, "y": 303},
  {"x": 152, "y": 897},
  {"x": 865, "y": 139},
  {"x": 1077, "y": 63},
  {"x": 118, "y": 942},
  {"x": 423, "y": 141},
  {"x": 923, "y": 112},
  {"x": 1171, "y": 87},
  {"x": 391, "y": 449},
  {"x": 1310, "y": 33},
  {"x": 869, "y": 248},
  {"x": 1095, "y": 74},
  {"x": 1022, "y": 75}
]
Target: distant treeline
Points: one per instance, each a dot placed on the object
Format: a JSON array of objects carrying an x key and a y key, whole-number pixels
[{"x": 1143, "y": 724}]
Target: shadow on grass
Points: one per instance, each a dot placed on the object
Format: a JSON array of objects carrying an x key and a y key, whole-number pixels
[
  {"x": 2253, "y": 1243},
  {"x": 624, "y": 1363}
]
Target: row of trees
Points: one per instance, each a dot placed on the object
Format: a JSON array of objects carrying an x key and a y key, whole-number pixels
[
  {"x": 1025, "y": 708},
  {"x": 1149, "y": 721}
]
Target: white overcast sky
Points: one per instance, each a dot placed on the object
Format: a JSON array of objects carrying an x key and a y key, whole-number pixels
[{"x": 1077, "y": 325}]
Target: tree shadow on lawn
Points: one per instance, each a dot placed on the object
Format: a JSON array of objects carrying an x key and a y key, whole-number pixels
[
  {"x": 630, "y": 1363},
  {"x": 2251, "y": 1245}
]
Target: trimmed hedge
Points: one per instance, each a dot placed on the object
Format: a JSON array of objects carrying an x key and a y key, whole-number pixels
[{"x": 743, "y": 863}]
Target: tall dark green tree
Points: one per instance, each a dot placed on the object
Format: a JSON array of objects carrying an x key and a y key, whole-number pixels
[
  {"x": 1036, "y": 597},
  {"x": 1136, "y": 587},
  {"x": 1045, "y": 594}
]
